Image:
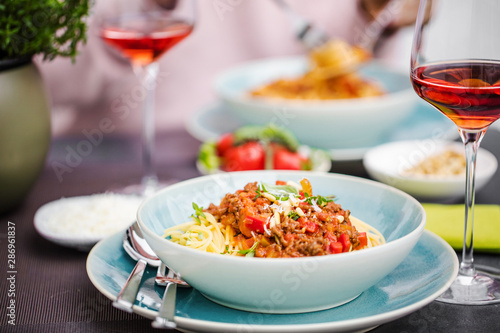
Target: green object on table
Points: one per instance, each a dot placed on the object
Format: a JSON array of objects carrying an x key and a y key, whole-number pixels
[
  {"x": 24, "y": 130},
  {"x": 447, "y": 221}
]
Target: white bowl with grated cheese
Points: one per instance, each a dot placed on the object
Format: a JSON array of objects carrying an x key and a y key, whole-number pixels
[{"x": 80, "y": 222}]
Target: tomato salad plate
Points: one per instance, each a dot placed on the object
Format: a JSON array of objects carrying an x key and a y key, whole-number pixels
[
  {"x": 212, "y": 121},
  {"x": 267, "y": 147}
]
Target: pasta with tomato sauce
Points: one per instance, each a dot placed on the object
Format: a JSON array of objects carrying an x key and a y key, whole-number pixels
[
  {"x": 332, "y": 76},
  {"x": 276, "y": 221}
]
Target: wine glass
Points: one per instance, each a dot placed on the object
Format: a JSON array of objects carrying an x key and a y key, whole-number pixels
[
  {"x": 455, "y": 66},
  {"x": 142, "y": 31}
]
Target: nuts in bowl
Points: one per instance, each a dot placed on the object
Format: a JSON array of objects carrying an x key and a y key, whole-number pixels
[
  {"x": 428, "y": 169},
  {"x": 447, "y": 163}
]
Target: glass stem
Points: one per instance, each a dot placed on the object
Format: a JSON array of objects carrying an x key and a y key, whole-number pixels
[
  {"x": 148, "y": 76},
  {"x": 471, "y": 139}
]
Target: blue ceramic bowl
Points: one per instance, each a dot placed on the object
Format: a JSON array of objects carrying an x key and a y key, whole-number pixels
[
  {"x": 338, "y": 124},
  {"x": 285, "y": 285}
]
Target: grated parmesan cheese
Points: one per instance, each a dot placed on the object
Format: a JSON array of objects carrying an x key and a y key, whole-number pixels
[
  {"x": 93, "y": 216},
  {"x": 315, "y": 206}
]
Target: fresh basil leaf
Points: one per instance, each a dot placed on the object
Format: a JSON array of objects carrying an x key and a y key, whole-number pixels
[{"x": 280, "y": 191}]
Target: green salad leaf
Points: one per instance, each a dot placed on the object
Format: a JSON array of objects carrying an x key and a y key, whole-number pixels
[
  {"x": 269, "y": 133},
  {"x": 208, "y": 156}
]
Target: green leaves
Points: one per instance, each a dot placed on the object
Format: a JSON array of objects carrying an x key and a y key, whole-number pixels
[
  {"x": 280, "y": 191},
  {"x": 258, "y": 195},
  {"x": 320, "y": 200},
  {"x": 48, "y": 27},
  {"x": 293, "y": 215},
  {"x": 269, "y": 133},
  {"x": 198, "y": 211},
  {"x": 250, "y": 252},
  {"x": 208, "y": 156}
]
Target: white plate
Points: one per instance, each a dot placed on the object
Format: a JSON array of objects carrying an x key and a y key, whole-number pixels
[
  {"x": 425, "y": 122},
  {"x": 80, "y": 222},
  {"x": 425, "y": 274},
  {"x": 386, "y": 163}
]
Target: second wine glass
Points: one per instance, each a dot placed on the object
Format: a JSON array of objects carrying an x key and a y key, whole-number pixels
[
  {"x": 455, "y": 66},
  {"x": 143, "y": 31}
]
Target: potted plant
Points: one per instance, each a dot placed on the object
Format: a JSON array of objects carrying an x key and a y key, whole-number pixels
[{"x": 42, "y": 28}]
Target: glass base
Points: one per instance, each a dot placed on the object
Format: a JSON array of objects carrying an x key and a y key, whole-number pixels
[{"x": 482, "y": 288}]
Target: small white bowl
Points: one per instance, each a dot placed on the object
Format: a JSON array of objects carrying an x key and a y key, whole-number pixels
[
  {"x": 327, "y": 124},
  {"x": 80, "y": 222},
  {"x": 387, "y": 163},
  {"x": 285, "y": 285}
]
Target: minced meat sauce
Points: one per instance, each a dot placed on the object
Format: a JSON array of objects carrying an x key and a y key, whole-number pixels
[{"x": 320, "y": 227}]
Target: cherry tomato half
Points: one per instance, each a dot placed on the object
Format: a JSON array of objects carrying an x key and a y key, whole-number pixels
[
  {"x": 225, "y": 142},
  {"x": 248, "y": 156},
  {"x": 286, "y": 160}
]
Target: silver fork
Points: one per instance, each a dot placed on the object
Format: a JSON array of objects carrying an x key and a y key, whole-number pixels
[
  {"x": 312, "y": 37},
  {"x": 161, "y": 274},
  {"x": 162, "y": 279},
  {"x": 166, "y": 314}
]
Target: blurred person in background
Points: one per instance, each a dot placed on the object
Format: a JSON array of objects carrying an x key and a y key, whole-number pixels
[{"x": 227, "y": 33}]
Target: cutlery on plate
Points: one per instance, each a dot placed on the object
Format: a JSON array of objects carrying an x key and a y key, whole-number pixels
[
  {"x": 161, "y": 274},
  {"x": 136, "y": 247},
  {"x": 166, "y": 314}
]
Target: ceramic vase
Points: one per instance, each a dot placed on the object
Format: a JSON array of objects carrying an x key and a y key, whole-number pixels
[{"x": 24, "y": 129}]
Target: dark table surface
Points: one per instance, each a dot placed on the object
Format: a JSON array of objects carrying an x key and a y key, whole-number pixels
[{"x": 52, "y": 290}]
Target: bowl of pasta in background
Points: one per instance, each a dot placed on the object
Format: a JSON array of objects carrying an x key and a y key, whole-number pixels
[
  {"x": 285, "y": 285},
  {"x": 328, "y": 123}
]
